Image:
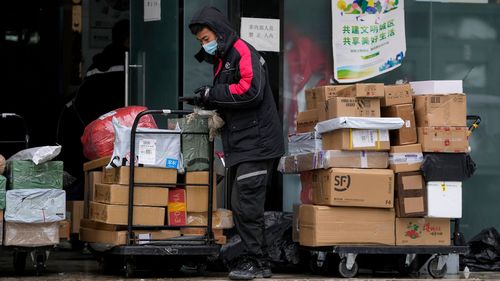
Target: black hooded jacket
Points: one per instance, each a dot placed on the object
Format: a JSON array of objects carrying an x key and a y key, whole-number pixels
[{"x": 241, "y": 94}]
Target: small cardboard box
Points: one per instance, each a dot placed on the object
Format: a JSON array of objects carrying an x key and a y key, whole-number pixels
[
  {"x": 118, "y": 214},
  {"x": 406, "y": 158},
  {"x": 350, "y": 107},
  {"x": 354, "y": 187},
  {"x": 328, "y": 226},
  {"x": 396, "y": 94},
  {"x": 411, "y": 195},
  {"x": 422, "y": 231},
  {"x": 356, "y": 139},
  {"x": 306, "y": 120},
  {"x": 197, "y": 196},
  {"x": 408, "y": 133},
  {"x": 441, "y": 110},
  {"x": 177, "y": 215},
  {"x": 141, "y": 174},
  {"x": 316, "y": 97},
  {"x": 363, "y": 90},
  {"x": 75, "y": 210},
  {"x": 444, "y": 199},
  {"x": 443, "y": 139},
  {"x": 143, "y": 195},
  {"x": 64, "y": 229},
  {"x": 221, "y": 219}
]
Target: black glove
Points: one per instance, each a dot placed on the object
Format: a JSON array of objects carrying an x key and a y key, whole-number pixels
[{"x": 204, "y": 93}]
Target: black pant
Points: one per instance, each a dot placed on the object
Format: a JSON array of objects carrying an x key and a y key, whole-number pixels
[{"x": 248, "y": 197}]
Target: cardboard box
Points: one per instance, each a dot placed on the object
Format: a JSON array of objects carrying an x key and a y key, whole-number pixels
[
  {"x": 441, "y": 110},
  {"x": 408, "y": 133},
  {"x": 444, "y": 199},
  {"x": 177, "y": 215},
  {"x": 306, "y": 120},
  {"x": 195, "y": 231},
  {"x": 64, "y": 229},
  {"x": 422, "y": 231},
  {"x": 396, "y": 94},
  {"x": 437, "y": 87},
  {"x": 91, "y": 178},
  {"x": 316, "y": 97},
  {"x": 363, "y": 90},
  {"x": 75, "y": 213},
  {"x": 356, "y": 139},
  {"x": 96, "y": 164},
  {"x": 103, "y": 236},
  {"x": 350, "y": 107},
  {"x": 221, "y": 219},
  {"x": 118, "y": 214},
  {"x": 31, "y": 234},
  {"x": 443, "y": 139},
  {"x": 197, "y": 196},
  {"x": 143, "y": 195},
  {"x": 406, "y": 158},
  {"x": 328, "y": 226},
  {"x": 354, "y": 187},
  {"x": 411, "y": 195},
  {"x": 141, "y": 174}
]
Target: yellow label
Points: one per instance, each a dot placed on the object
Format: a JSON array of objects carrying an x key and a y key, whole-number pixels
[{"x": 443, "y": 187}]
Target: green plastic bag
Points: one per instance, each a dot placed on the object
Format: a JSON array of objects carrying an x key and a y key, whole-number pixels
[
  {"x": 3, "y": 186},
  {"x": 25, "y": 174}
]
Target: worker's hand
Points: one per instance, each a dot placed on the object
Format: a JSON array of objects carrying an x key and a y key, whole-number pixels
[{"x": 204, "y": 93}]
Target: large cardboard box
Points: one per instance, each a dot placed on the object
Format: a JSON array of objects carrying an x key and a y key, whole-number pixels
[
  {"x": 197, "y": 196},
  {"x": 328, "y": 226},
  {"x": 411, "y": 195},
  {"x": 350, "y": 107},
  {"x": 75, "y": 211},
  {"x": 141, "y": 174},
  {"x": 422, "y": 231},
  {"x": 31, "y": 234},
  {"x": 443, "y": 139},
  {"x": 441, "y": 110},
  {"x": 306, "y": 120},
  {"x": 406, "y": 158},
  {"x": 64, "y": 229},
  {"x": 444, "y": 199},
  {"x": 177, "y": 215},
  {"x": 118, "y": 214},
  {"x": 91, "y": 179},
  {"x": 316, "y": 97},
  {"x": 354, "y": 187},
  {"x": 363, "y": 90},
  {"x": 396, "y": 94},
  {"x": 408, "y": 133},
  {"x": 143, "y": 195},
  {"x": 356, "y": 139}
]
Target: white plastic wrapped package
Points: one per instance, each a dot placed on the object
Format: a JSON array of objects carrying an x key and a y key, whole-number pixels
[
  {"x": 35, "y": 205},
  {"x": 304, "y": 143},
  {"x": 369, "y": 123},
  {"x": 152, "y": 150},
  {"x": 38, "y": 155},
  {"x": 31, "y": 234}
]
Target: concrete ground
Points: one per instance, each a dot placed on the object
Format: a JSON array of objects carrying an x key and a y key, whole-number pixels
[{"x": 73, "y": 265}]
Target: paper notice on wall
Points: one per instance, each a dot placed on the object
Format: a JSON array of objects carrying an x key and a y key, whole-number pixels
[
  {"x": 152, "y": 10},
  {"x": 262, "y": 34},
  {"x": 368, "y": 38},
  {"x": 147, "y": 151}
]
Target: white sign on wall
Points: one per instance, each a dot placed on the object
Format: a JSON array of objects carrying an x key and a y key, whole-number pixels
[
  {"x": 152, "y": 10},
  {"x": 263, "y": 34}
]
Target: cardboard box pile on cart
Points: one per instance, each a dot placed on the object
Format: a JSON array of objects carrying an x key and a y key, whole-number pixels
[{"x": 363, "y": 184}]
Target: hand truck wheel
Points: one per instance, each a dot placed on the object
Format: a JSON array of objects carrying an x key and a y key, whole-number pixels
[
  {"x": 19, "y": 259},
  {"x": 319, "y": 267},
  {"x": 129, "y": 267},
  {"x": 40, "y": 263},
  {"x": 345, "y": 272},
  {"x": 432, "y": 268}
]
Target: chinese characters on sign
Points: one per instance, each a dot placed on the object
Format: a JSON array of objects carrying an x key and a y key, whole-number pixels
[{"x": 263, "y": 34}]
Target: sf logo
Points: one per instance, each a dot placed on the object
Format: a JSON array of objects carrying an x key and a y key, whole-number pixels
[{"x": 342, "y": 183}]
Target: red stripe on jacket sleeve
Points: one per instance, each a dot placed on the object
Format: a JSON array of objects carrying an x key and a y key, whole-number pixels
[{"x": 246, "y": 71}]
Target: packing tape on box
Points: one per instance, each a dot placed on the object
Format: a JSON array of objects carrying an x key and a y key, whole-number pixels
[
  {"x": 176, "y": 207},
  {"x": 406, "y": 158}
]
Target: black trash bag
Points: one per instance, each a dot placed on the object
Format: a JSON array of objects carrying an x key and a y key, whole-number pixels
[
  {"x": 484, "y": 251},
  {"x": 281, "y": 249},
  {"x": 447, "y": 166}
]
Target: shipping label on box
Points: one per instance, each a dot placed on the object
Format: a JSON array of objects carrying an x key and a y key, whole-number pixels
[
  {"x": 444, "y": 199},
  {"x": 350, "y": 107},
  {"x": 408, "y": 133},
  {"x": 363, "y": 90},
  {"x": 422, "y": 231},
  {"x": 441, "y": 110},
  {"x": 306, "y": 120},
  {"x": 396, "y": 94},
  {"x": 411, "y": 195},
  {"x": 356, "y": 139},
  {"x": 177, "y": 215},
  {"x": 328, "y": 226},
  {"x": 443, "y": 139},
  {"x": 406, "y": 158},
  {"x": 354, "y": 187},
  {"x": 143, "y": 195}
]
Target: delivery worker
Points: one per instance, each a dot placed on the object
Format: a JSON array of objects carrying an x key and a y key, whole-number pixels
[{"x": 252, "y": 135}]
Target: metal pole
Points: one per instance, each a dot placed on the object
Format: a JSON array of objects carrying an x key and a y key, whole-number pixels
[{"x": 126, "y": 78}]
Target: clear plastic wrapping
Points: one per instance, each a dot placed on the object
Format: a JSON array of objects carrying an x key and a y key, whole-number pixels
[
  {"x": 25, "y": 174},
  {"x": 38, "y": 155},
  {"x": 221, "y": 219},
  {"x": 368, "y": 123},
  {"x": 35, "y": 205},
  {"x": 304, "y": 143},
  {"x": 32, "y": 234}
]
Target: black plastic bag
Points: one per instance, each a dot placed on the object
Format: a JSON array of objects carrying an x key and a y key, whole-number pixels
[
  {"x": 447, "y": 166},
  {"x": 484, "y": 251}
]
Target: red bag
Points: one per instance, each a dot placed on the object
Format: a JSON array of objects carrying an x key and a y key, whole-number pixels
[{"x": 99, "y": 136}]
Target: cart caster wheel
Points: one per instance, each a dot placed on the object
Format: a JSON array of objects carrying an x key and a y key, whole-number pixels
[
  {"x": 129, "y": 268},
  {"x": 315, "y": 268},
  {"x": 40, "y": 264},
  {"x": 345, "y": 272},
  {"x": 432, "y": 268},
  {"x": 19, "y": 261}
]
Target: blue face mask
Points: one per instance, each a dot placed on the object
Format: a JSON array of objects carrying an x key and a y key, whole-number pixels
[{"x": 210, "y": 47}]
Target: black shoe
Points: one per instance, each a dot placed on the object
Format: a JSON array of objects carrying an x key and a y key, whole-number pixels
[
  {"x": 246, "y": 269},
  {"x": 266, "y": 269}
]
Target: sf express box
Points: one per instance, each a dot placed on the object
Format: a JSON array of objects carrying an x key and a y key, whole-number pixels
[
  {"x": 356, "y": 139},
  {"x": 349, "y": 106},
  {"x": 396, "y": 94},
  {"x": 316, "y": 97},
  {"x": 363, "y": 90},
  {"x": 143, "y": 195},
  {"x": 411, "y": 195},
  {"x": 328, "y": 226},
  {"x": 354, "y": 187},
  {"x": 118, "y": 214},
  {"x": 306, "y": 120},
  {"x": 422, "y": 231},
  {"x": 441, "y": 110},
  {"x": 406, "y": 158},
  {"x": 408, "y": 133},
  {"x": 443, "y": 139}
]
